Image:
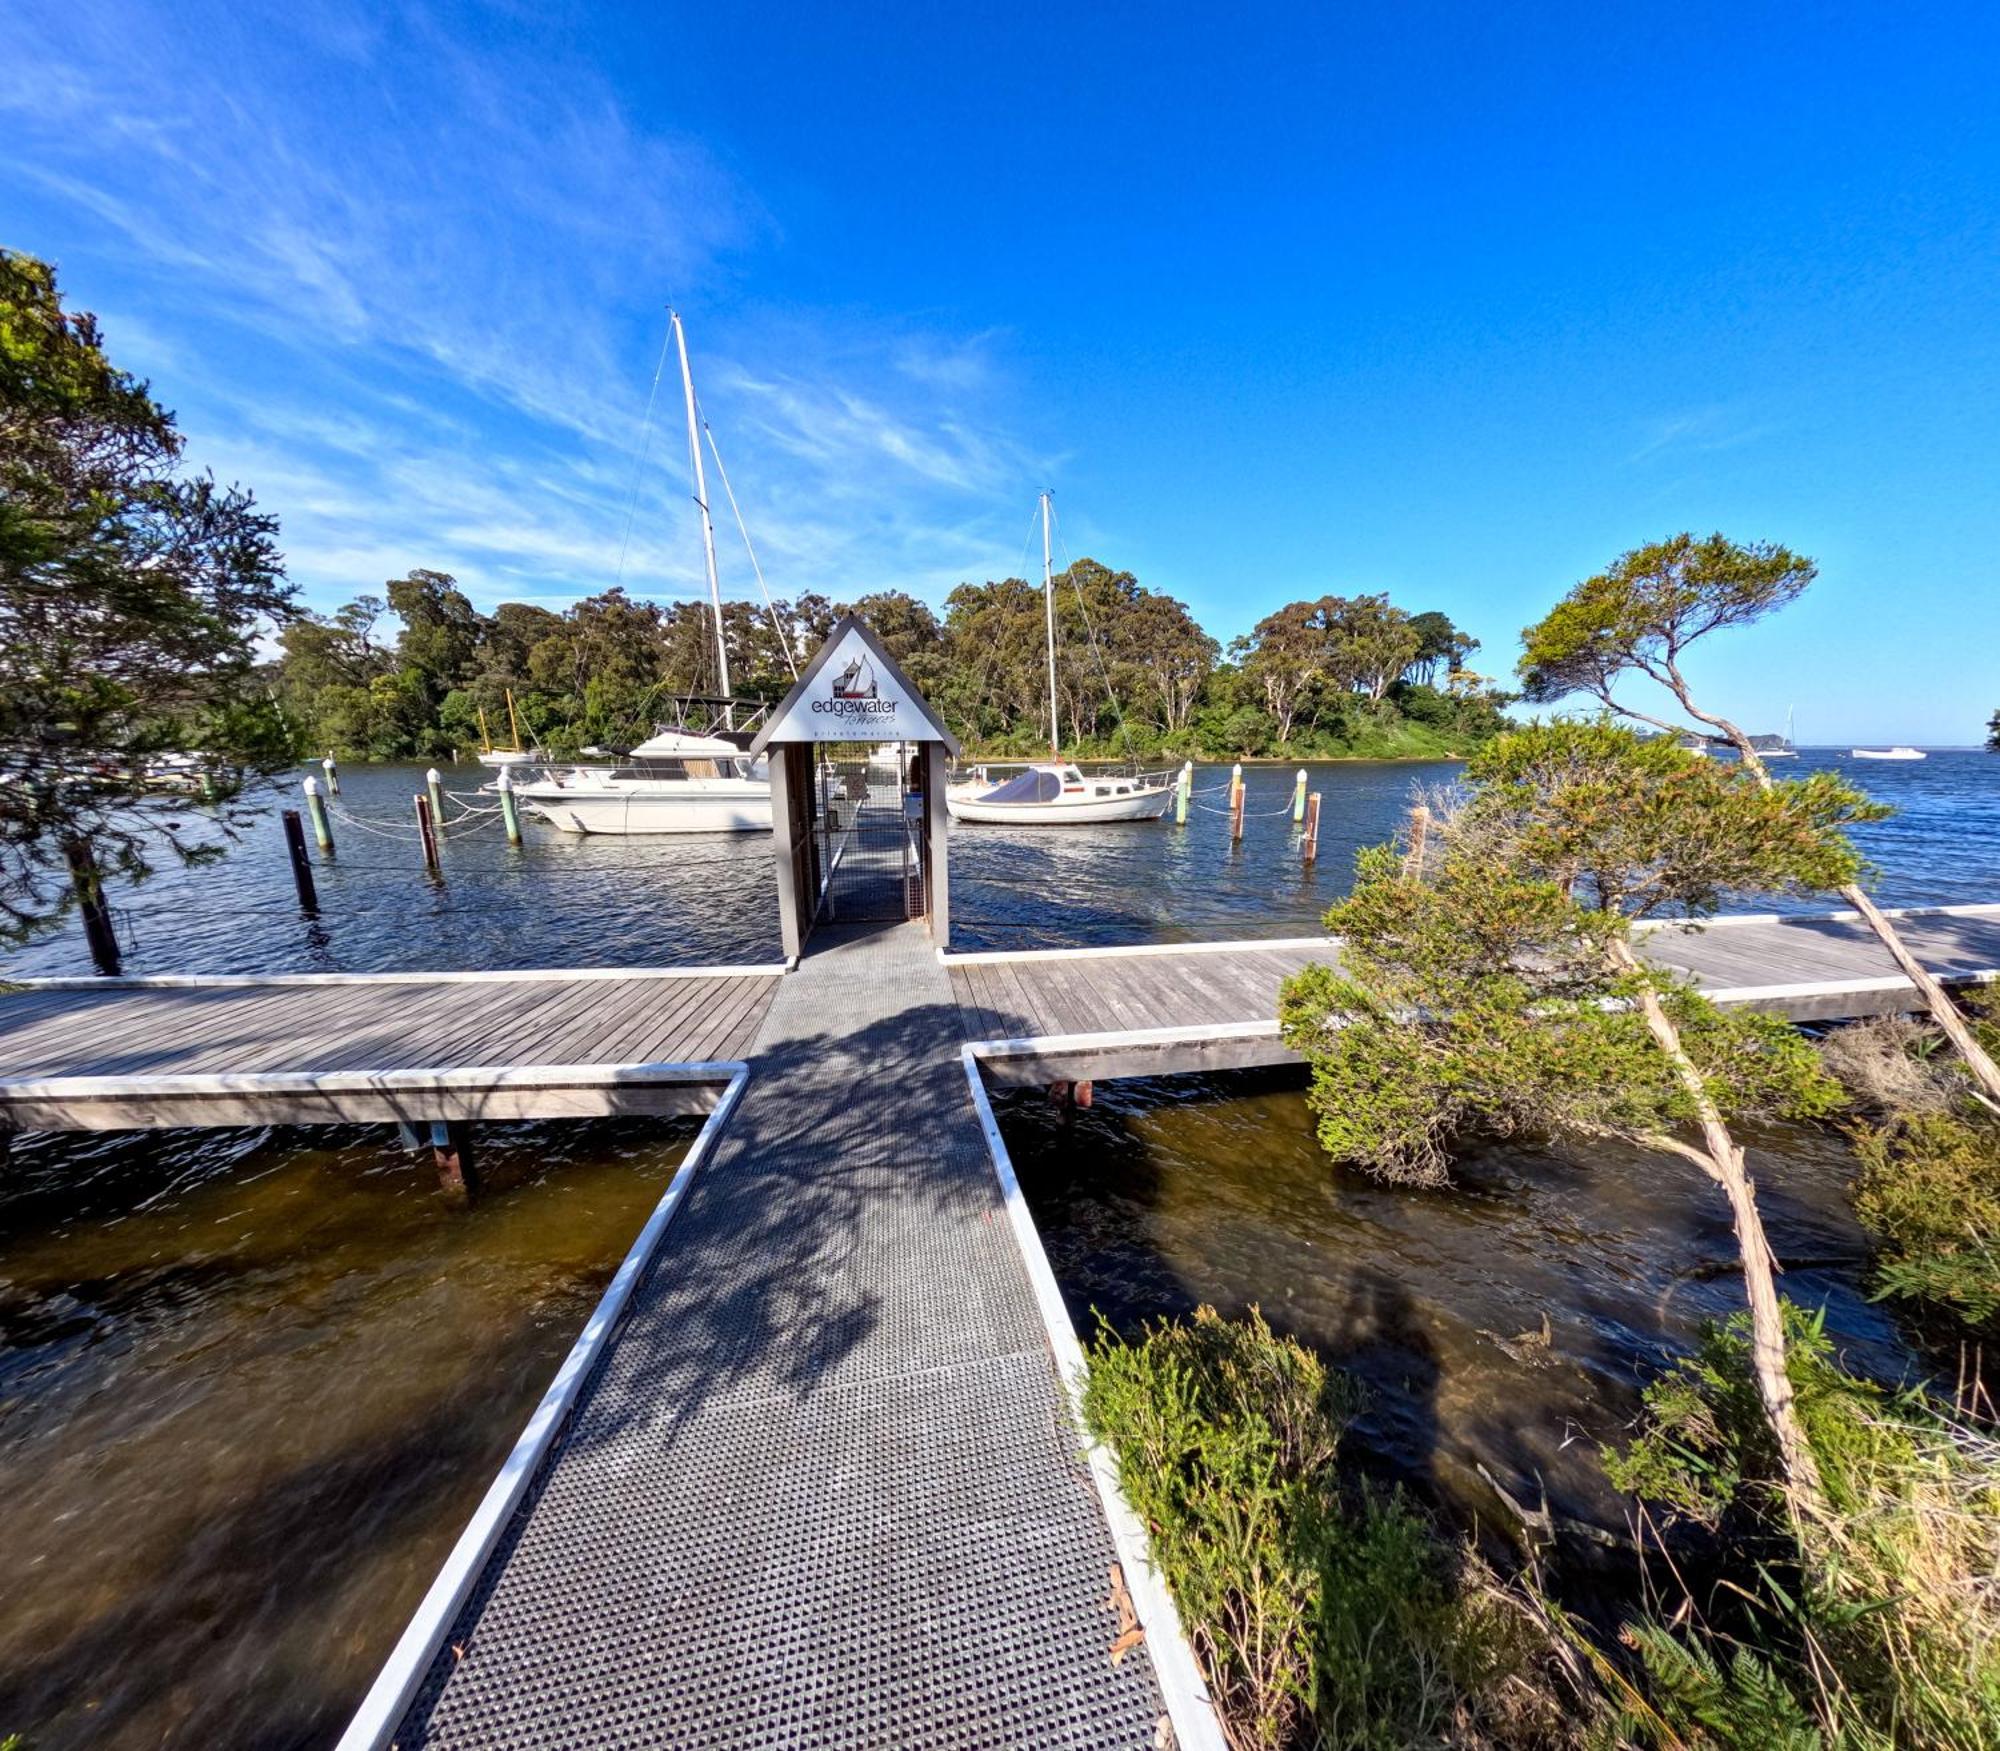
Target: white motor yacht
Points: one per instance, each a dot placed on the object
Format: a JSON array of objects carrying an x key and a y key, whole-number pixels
[
  {"x": 679, "y": 782},
  {"x": 1899, "y": 752}
]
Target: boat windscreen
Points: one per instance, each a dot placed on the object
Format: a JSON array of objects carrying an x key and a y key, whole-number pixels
[{"x": 1035, "y": 786}]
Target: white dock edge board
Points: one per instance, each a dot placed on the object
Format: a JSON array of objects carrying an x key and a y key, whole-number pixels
[
  {"x": 1984, "y": 909},
  {"x": 1846, "y": 987},
  {"x": 396, "y": 1686},
  {"x": 529, "y": 975},
  {"x": 1189, "y": 1707},
  {"x": 1046, "y": 1045},
  {"x": 980, "y": 956},
  {"x": 476, "y": 1076},
  {"x": 1253, "y": 944}
]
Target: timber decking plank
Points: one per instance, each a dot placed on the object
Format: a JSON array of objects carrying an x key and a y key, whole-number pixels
[
  {"x": 667, "y": 1026},
  {"x": 724, "y": 1021}
]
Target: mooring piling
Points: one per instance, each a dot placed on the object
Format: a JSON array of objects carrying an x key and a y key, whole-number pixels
[
  {"x": 1236, "y": 801},
  {"x": 316, "y": 810},
  {"x": 1299, "y": 797},
  {"x": 88, "y": 886},
  {"x": 1309, "y": 845},
  {"x": 295, "y": 848},
  {"x": 1183, "y": 789},
  {"x": 510, "y": 811},
  {"x": 427, "y": 833},
  {"x": 434, "y": 787},
  {"x": 331, "y": 768},
  {"x": 1420, "y": 827}
]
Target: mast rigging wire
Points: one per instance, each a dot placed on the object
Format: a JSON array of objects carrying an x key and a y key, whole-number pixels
[
  {"x": 639, "y": 461},
  {"x": 770, "y": 607}
]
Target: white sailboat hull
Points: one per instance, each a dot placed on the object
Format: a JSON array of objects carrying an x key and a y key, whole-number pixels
[
  {"x": 1141, "y": 805},
  {"x": 695, "y": 806}
]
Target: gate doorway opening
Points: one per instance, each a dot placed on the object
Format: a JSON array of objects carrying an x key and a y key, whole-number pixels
[
  {"x": 872, "y": 844},
  {"x": 857, "y": 762}
]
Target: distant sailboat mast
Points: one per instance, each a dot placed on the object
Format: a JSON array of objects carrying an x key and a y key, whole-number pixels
[
  {"x": 1049, "y": 605},
  {"x": 707, "y": 523}
]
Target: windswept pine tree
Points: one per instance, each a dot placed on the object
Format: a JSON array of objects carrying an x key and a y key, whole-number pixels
[{"x": 133, "y": 593}]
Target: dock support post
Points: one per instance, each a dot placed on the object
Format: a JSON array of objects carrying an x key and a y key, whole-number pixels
[
  {"x": 434, "y": 789},
  {"x": 1299, "y": 797},
  {"x": 331, "y": 768},
  {"x": 295, "y": 848},
  {"x": 88, "y": 887},
  {"x": 1183, "y": 789},
  {"x": 1236, "y": 801},
  {"x": 427, "y": 833},
  {"x": 937, "y": 844},
  {"x": 510, "y": 810},
  {"x": 316, "y": 808},
  {"x": 451, "y": 1149},
  {"x": 1309, "y": 846},
  {"x": 1420, "y": 827}
]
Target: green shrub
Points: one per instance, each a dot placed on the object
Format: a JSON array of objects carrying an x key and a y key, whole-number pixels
[
  {"x": 1318, "y": 1621},
  {"x": 1929, "y": 1191}
]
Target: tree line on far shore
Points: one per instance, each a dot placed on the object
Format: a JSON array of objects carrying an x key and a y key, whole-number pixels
[{"x": 1135, "y": 673}]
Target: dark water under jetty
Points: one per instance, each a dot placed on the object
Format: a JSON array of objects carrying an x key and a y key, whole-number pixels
[
  {"x": 564, "y": 900},
  {"x": 1171, "y": 1193},
  {"x": 252, "y": 1384}
]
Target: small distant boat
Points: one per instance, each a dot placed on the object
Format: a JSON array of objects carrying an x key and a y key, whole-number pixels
[
  {"x": 1785, "y": 750},
  {"x": 500, "y": 757},
  {"x": 1899, "y": 752}
]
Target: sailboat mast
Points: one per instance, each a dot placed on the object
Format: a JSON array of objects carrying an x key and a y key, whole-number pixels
[
  {"x": 1049, "y": 607},
  {"x": 707, "y": 522}
]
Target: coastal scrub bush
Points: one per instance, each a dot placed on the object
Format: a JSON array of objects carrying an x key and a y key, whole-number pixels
[
  {"x": 1929, "y": 1191},
  {"x": 1319, "y": 1618},
  {"x": 1875, "y": 1625}
]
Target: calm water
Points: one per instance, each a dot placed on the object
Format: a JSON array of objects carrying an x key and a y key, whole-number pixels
[
  {"x": 1171, "y": 1193},
  {"x": 252, "y": 1383},
  {"x": 562, "y": 900}
]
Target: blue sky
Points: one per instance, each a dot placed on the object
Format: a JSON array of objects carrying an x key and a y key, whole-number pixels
[{"x": 1453, "y": 301}]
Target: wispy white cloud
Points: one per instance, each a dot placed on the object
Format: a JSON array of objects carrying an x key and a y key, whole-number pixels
[
  {"x": 407, "y": 284},
  {"x": 1699, "y": 430}
]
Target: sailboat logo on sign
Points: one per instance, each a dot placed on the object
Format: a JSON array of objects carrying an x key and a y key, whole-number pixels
[
  {"x": 856, "y": 681},
  {"x": 853, "y": 694}
]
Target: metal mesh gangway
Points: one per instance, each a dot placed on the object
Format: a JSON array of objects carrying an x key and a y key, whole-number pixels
[{"x": 825, "y": 1489}]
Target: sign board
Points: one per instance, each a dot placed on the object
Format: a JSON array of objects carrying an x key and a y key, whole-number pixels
[{"x": 852, "y": 691}]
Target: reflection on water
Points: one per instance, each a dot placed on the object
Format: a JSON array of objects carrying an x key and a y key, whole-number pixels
[
  {"x": 564, "y": 900},
  {"x": 1170, "y": 1193},
  {"x": 252, "y": 1384}
]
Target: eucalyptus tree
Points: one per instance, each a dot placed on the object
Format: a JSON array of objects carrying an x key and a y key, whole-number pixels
[
  {"x": 1640, "y": 618},
  {"x": 133, "y": 594},
  {"x": 1488, "y": 984}
]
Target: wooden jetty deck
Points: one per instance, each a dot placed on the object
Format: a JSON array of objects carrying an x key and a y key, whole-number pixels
[
  {"x": 1044, "y": 1015},
  {"x": 810, "y": 1476},
  {"x": 108, "y": 1054}
]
